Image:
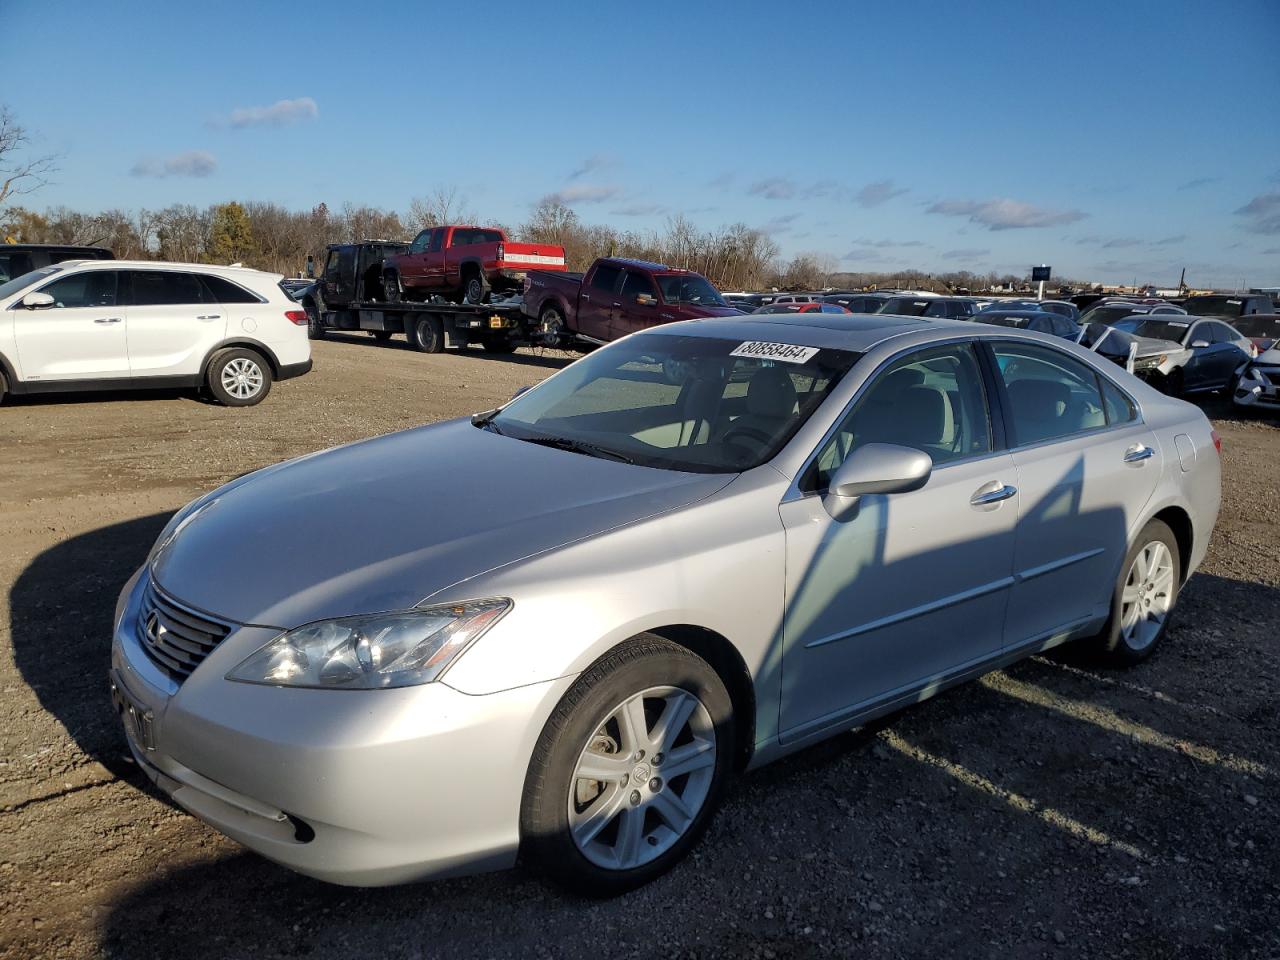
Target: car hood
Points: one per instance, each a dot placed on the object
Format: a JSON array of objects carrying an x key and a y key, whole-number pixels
[
  {"x": 1148, "y": 346},
  {"x": 1269, "y": 356},
  {"x": 385, "y": 523}
]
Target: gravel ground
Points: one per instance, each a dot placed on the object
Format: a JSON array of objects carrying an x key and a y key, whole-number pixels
[{"x": 1051, "y": 810}]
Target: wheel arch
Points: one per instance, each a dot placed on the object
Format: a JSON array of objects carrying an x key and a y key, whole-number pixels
[
  {"x": 726, "y": 660},
  {"x": 1179, "y": 521},
  {"x": 247, "y": 343},
  {"x": 8, "y": 372}
]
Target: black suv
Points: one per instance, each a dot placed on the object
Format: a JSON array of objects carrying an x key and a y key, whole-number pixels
[
  {"x": 19, "y": 258},
  {"x": 1228, "y": 306}
]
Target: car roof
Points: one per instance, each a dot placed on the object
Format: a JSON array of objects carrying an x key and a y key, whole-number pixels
[
  {"x": 642, "y": 265},
  {"x": 43, "y": 247},
  {"x": 858, "y": 332},
  {"x": 158, "y": 265}
]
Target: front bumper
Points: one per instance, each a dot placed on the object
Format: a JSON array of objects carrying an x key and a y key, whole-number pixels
[
  {"x": 1258, "y": 388},
  {"x": 355, "y": 787}
]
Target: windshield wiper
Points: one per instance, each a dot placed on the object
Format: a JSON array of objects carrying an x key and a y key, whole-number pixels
[
  {"x": 485, "y": 421},
  {"x": 579, "y": 446}
]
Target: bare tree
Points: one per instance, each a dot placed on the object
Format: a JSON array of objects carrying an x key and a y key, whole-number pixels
[
  {"x": 20, "y": 174},
  {"x": 442, "y": 207}
]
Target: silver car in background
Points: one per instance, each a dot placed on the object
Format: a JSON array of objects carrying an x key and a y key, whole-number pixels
[{"x": 560, "y": 628}]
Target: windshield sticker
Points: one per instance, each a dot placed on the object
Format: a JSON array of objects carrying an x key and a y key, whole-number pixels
[
  {"x": 1177, "y": 323},
  {"x": 786, "y": 352}
]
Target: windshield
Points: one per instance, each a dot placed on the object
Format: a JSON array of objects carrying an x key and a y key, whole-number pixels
[
  {"x": 26, "y": 280},
  {"x": 1108, "y": 341},
  {"x": 1109, "y": 314},
  {"x": 689, "y": 288},
  {"x": 1003, "y": 319},
  {"x": 679, "y": 403},
  {"x": 905, "y": 306},
  {"x": 1214, "y": 306},
  {"x": 1158, "y": 329}
]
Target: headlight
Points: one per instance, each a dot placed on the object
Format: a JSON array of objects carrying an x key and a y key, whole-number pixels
[{"x": 380, "y": 650}]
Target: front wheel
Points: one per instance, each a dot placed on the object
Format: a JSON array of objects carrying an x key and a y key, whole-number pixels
[
  {"x": 427, "y": 335},
  {"x": 238, "y": 378},
  {"x": 1144, "y": 597},
  {"x": 629, "y": 768}
]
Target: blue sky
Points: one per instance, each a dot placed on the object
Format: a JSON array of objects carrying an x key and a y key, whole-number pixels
[{"x": 1113, "y": 140}]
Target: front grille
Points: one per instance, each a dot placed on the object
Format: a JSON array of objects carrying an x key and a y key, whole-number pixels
[
  {"x": 1272, "y": 375},
  {"x": 175, "y": 637}
]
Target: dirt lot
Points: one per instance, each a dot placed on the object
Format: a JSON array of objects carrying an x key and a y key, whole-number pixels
[{"x": 1051, "y": 810}]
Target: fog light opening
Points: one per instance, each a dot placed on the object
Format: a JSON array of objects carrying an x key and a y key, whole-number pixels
[{"x": 302, "y": 831}]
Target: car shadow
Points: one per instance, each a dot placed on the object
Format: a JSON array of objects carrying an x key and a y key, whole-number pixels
[
  {"x": 99, "y": 396},
  {"x": 548, "y": 358}
]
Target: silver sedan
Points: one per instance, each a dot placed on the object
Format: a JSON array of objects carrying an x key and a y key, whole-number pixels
[{"x": 560, "y": 629}]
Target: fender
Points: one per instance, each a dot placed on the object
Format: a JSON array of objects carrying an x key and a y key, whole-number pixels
[
  {"x": 241, "y": 341},
  {"x": 10, "y": 375}
]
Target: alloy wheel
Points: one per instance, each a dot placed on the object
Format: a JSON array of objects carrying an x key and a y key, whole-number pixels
[
  {"x": 242, "y": 378},
  {"x": 642, "y": 778},
  {"x": 1147, "y": 596}
]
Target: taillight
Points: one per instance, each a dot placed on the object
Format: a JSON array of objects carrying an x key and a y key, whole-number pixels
[
  {"x": 502, "y": 252},
  {"x": 1217, "y": 441},
  {"x": 297, "y": 316}
]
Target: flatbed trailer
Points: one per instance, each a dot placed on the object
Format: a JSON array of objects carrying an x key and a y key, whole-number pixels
[{"x": 433, "y": 327}]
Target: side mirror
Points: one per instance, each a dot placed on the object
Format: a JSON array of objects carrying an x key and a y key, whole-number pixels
[
  {"x": 881, "y": 468},
  {"x": 646, "y": 299},
  {"x": 1197, "y": 344},
  {"x": 37, "y": 301}
]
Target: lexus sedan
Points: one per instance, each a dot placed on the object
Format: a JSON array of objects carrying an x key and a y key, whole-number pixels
[{"x": 560, "y": 629}]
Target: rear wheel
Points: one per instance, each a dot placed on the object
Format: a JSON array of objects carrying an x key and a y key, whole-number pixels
[
  {"x": 1144, "y": 597},
  {"x": 474, "y": 288},
  {"x": 551, "y": 326},
  {"x": 391, "y": 290},
  {"x": 315, "y": 329},
  {"x": 427, "y": 335},
  {"x": 238, "y": 377},
  {"x": 629, "y": 768}
]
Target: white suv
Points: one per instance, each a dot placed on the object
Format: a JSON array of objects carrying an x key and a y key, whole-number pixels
[{"x": 105, "y": 324}]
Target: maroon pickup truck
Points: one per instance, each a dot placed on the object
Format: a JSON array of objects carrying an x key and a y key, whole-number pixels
[
  {"x": 464, "y": 262},
  {"x": 616, "y": 297}
]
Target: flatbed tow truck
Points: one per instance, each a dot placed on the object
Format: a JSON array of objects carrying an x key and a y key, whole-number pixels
[{"x": 350, "y": 296}]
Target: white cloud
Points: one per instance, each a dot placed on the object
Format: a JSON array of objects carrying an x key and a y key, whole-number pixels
[
  {"x": 774, "y": 188},
  {"x": 1263, "y": 213},
  {"x": 279, "y": 114},
  {"x": 598, "y": 161},
  {"x": 193, "y": 163},
  {"x": 583, "y": 193},
  {"x": 639, "y": 210},
  {"x": 967, "y": 253},
  {"x": 881, "y": 191},
  {"x": 1004, "y": 214}
]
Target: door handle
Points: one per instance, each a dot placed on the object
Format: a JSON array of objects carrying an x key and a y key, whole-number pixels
[
  {"x": 1138, "y": 452},
  {"x": 993, "y": 492},
  {"x": 586, "y": 298},
  {"x": 107, "y": 320},
  {"x": 210, "y": 316}
]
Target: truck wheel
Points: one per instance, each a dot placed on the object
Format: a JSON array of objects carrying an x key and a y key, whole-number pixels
[
  {"x": 427, "y": 335},
  {"x": 474, "y": 289},
  {"x": 315, "y": 329},
  {"x": 391, "y": 290},
  {"x": 238, "y": 377},
  {"x": 551, "y": 327}
]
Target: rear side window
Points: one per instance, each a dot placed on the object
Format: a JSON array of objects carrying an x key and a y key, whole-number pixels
[
  {"x": 1050, "y": 394},
  {"x": 224, "y": 291},
  {"x": 1119, "y": 408},
  {"x": 92, "y": 288},
  {"x": 605, "y": 278},
  {"x": 467, "y": 238},
  {"x": 168, "y": 288},
  {"x": 14, "y": 265}
]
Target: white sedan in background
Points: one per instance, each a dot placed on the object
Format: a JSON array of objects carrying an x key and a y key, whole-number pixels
[{"x": 111, "y": 324}]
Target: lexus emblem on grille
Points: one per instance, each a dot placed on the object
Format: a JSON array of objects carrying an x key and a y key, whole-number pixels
[{"x": 155, "y": 629}]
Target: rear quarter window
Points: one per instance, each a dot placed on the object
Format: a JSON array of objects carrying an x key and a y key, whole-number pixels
[{"x": 224, "y": 291}]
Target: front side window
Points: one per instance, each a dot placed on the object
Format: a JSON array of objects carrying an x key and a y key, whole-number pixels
[
  {"x": 437, "y": 240},
  {"x": 932, "y": 400},
  {"x": 331, "y": 266},
  {"x": 694, "y": 404},
  {"x": 605, "y": 279},
  {"x": 14, "y": 265},
  {"x": 92, "y": 288},
  {"x": 636, "y": 284},
  {"x": 168, "y": 288},
  {"x": 420, "y": 242},
  {"x": 691, "y": 288},
  {"x": 1050, "y": 394}
]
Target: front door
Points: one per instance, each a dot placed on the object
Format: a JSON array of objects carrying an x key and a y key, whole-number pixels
[
  {"x": 908, "y": 588},
  {"x": 638, "y": 307},
  {"x": 1086, "y": 468},
  {"x": 174, "y": 320},
  {"x": 81, "y": 337}
]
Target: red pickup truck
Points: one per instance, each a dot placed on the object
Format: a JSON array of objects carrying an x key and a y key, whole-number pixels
[
  {"x": 616, "y": 297},
  {"x": 464, "y": 262}
]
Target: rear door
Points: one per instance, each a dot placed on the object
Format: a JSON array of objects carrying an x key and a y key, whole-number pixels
[
  {"x": 638, "y": 305},
  {"x": 1087, "y": 466},
  {"x": 81, "y": 337},
  {"x": 174, "y": 320},
  {"x": 597, "y": 301}
]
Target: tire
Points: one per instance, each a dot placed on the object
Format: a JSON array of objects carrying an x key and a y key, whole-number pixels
[
  {"x": 315, "y": 329},
  {"x": 498, "y": 345},
  {"x": 551, "y": 326},
  {"x": 1155, "y": 596},
  {"x": 392, "y": 292},
  {"x": 238, "y": 377},
  {"x": 382, "y": 336},
  {"x": 427, "y": 335},
  {"x": 576, "y": 829},
  {"x": 474, "y": 288},
  {"x": 1172, "y": 385},
  {"x": 4, "y": 386}
]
